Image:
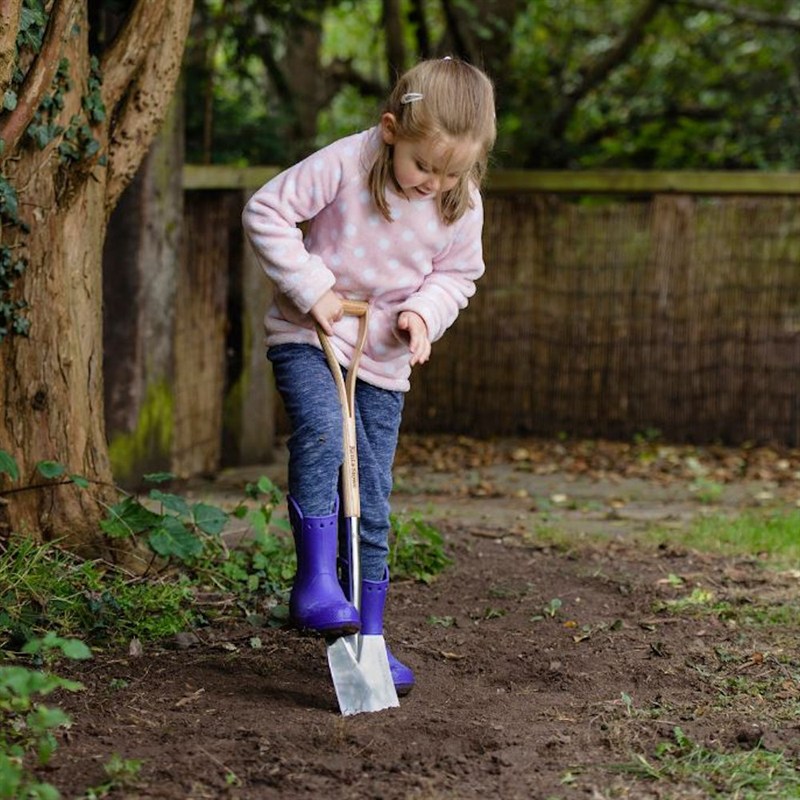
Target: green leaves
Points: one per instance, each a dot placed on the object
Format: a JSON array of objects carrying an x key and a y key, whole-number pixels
[
  {"x": 9, "y": 205},
  {"x": 176, "y": 534},
  {"x": 11, "y": 265},
  {"x": 32, "y": 23},
  {"x": 209, "y": 519},
  {"x": 8, "y": 466},
  {"x": 18, "y": 682},
  {"x": 73, "y": 649},
  {"x": 173, "y": 538},
  {"x": 417, "y": 549},
  {"x": 26, "y": 726},
  {"x": 174, "y": 528},
  {"x": 128, "y": 518},
  {"x": 172, "y": 502},
  {"x": 93, "y": 100},
  {"x": 50, "y": 469},
  {"x": 171, "y": 533},
  {"x": 75, "y": 144},
  {"x": 78, "y": 142}
]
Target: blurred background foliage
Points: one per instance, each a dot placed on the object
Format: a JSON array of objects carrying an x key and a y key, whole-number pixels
[{"x": 646, "y": 84}]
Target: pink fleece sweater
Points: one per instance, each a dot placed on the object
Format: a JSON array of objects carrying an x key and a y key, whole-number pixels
[{"x": 413, "y": 263}]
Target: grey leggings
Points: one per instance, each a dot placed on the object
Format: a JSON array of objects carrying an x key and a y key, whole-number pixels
[{"x": 306, "y": 386}]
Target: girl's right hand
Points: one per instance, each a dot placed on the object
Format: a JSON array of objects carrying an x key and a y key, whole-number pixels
[{"x": 327, "y": 310}]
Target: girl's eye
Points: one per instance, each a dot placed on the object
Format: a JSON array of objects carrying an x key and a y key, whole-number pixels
[{"x": 422, "y": 167}]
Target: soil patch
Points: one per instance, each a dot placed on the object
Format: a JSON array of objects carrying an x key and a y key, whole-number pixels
[{"x": 542, "y": 665}]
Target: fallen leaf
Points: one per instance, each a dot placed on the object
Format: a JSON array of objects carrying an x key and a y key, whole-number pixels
[{"x": 189, "y": 698}]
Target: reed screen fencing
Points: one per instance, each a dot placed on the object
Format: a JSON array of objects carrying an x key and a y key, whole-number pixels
[
  {"x": 610, "y": 317},
  {"x": 613, "y": 304}
]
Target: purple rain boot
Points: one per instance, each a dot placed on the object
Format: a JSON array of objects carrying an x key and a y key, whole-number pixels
[
  {"x": 317, "y": 600},
  {"x": 373, "y": 600}
]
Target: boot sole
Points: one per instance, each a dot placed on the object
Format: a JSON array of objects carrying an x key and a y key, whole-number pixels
[{"x": 328, "y": 633}]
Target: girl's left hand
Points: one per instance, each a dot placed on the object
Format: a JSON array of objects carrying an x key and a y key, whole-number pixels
[{"x": 418, "y": 343}]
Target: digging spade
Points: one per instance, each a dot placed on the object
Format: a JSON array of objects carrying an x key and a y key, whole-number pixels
[{"x": 358, "y": 663}]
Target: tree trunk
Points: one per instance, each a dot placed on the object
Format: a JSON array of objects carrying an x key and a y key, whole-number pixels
[
  {"x": 395, "y": 47},
  {"x": 51, "y": 389},
  {"x": 306, "y": 80}
]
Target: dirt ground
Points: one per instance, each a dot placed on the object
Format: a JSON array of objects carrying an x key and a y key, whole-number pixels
[{"x": 544, "y": 656}]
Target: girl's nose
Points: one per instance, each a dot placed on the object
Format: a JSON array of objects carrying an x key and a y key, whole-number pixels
[{"x": 433, "y": 184}]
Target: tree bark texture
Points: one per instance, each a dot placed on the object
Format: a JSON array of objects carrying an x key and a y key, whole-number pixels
[
  {"x": 395, "y": 47},
  {"x": 51, "y": 383},
  {"x": 9, "y": 22},
  {"x": 306, "y": 83}
]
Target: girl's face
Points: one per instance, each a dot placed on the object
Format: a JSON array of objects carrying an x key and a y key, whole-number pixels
[{"x": 426, "y": 168}]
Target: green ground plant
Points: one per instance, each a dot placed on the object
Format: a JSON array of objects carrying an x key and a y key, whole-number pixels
[
  {"x": 416, "y": 549},
  {"x": 121, "y": 772},
  {"x": 770, "y": 535},
  {"x": 45, "y": 588},
  {"x": 27, "y": 726},
  {"x": 753, "y": 774}
]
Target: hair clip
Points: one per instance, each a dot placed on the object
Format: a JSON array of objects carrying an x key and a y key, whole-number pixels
[
  {"x": 411, "y": 97},
  {"x": 447, "y": 58}
]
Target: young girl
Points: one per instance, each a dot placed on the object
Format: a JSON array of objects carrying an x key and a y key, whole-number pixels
[{"x": 395, "y": 219}]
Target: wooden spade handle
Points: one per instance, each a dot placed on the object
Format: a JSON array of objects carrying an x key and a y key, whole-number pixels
[
  {"x": 351, "y": 502},
  {"x": 355, "y": 308}
]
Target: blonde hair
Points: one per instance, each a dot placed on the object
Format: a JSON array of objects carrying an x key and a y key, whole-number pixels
[{"x": 452, "y": 99}]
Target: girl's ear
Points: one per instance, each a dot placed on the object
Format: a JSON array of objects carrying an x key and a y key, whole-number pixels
[{"x": 389, "y": 128}]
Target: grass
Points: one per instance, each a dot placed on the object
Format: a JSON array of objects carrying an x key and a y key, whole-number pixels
[
  {"x": 47, "y": 589},
  {"x": 773, "y": 536},
  {"x": 752, "y": 774}
]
